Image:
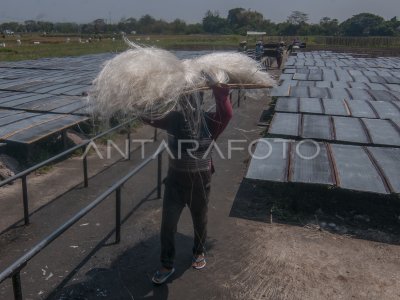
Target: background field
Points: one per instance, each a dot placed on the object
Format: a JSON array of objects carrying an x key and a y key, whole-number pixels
[{"x": 62, "y": 45}]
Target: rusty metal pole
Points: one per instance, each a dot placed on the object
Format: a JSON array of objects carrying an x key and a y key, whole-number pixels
[
  {"x": 159, "y": 172},
  {"x": 25, "y": 200},
  {"x": 155, "y": 134},
  {"x": 129, "y": 142},
  {"x": 118, "y": 215},
  {"x": 85, "y": 172},
  {"x": 16, "y": 281}
]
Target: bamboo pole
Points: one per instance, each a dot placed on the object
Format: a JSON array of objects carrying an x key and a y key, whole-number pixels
[{"x": 241, "y": 86}]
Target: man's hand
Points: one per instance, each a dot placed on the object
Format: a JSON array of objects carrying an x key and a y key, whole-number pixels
[{"x": 220, "y": 90}]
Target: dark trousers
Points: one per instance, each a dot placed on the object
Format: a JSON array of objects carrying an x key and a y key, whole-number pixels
[
  {"x": 279, "y": 61},
  {"x": 181, "y": 189}
]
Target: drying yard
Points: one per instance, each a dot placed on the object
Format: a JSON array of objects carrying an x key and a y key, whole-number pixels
[
  {"x": 258, "y": 247},
  {"x": 42, "y": 97},
  {"x": 350, "y": 108}
]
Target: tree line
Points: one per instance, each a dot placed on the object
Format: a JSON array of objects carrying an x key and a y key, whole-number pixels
[{"x": 238, "y": 21}]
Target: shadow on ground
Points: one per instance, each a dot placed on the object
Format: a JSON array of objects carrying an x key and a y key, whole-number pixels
[
  {"x": 129, "y": 277},
  {"x": 361, "y": 215}
]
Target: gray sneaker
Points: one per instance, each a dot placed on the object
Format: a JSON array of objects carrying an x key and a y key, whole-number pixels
[{"x": 161, "y": 277}]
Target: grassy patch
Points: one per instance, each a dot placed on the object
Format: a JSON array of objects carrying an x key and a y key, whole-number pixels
[
  {"x": 7, "y": 50},
  {"x": 44, "y": 170},
  {"x": 28, "y": 51},
  {"x": 34, "y": 46}
]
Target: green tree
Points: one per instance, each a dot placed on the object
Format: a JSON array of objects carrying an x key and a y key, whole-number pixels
[
  {"x": 269, "y": 27},
  {"x": 13, "y": 26},
  {"x": 384, "y": 29},
  {"x": 296, "y": 24},
  {"x": 395, "y": 25},
  {"x": 241, "y": 20},
  {"x": 87, "y": 28},
  {"x": 127, "y": 25},
  {"x": 99, "y": 26},
  {"x": 159, "y": 27},
  {"x": 146, "y": 24},
  {"x": 252, "y": 19},
  {"x": 235, "y": 17},
  {"x": 213, "y": 23},
  {"x": 194, "y": 28},
  {"x": 67, "y": 27},
  {"x": 45, "y": 26},
  {"x": 329, "y": 26},
  {"x": 31, "y": 26},
  {"x": 178, "y": 26},
  {"x": 297, "y": 18},
  {"x": 363, "y": 24},
  {"x": 287, "y": 28}
]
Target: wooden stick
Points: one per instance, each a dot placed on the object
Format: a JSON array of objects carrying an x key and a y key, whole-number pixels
[
  {"x": 243, "y": 86},
  {"x": 248, "y": 86}
]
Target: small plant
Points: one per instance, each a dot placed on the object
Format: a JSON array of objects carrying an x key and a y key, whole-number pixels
[
  {"x": 44, "y": 170},
  {"x": 7, "y": 50}
]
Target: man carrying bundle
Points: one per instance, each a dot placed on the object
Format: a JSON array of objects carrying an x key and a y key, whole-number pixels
[{"x": 191, "y": 133}]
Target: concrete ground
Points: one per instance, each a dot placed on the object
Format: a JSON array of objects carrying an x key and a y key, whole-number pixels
[{"x": 247, "y": 258}]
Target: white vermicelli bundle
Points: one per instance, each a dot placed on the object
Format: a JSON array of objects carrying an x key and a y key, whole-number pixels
[
  {"x": 148, "y": 82},
  {"x": 142, "y": 81},
  {"x": 230, "y": 67}
]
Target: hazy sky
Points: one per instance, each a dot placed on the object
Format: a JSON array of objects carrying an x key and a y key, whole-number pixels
[{"x": 188, "y": 10}]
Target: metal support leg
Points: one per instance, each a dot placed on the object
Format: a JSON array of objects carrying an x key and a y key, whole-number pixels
[
  {"x": 118, "y": 215},
  {"x": 16, "y": 281},
  {"x": 25, "y": 200},
  {"x": 159, "y": 171},
  {"x": 155, "y": 134},
  {"x": 239, "y": 96},
  {"x": 85, "y": 172},
  {"x": 129, "y": 142},
  {"x": 64, "y": 139}
]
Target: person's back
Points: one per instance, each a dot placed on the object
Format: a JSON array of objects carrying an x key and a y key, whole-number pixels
[
  {"x": 192, "y": 130},
  {"x": 189, "y": 145},
  {"x": 259, "y": 50}
]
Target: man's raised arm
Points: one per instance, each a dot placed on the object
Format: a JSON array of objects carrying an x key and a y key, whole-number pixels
[{"x": 223, "y": 111}]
